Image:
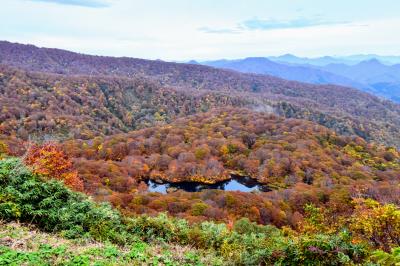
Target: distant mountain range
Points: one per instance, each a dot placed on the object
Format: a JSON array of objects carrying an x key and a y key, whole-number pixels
[
  {"x": 370, "y": 75},
  {"x": 301, "y": 73},
  {"x": 326, "y": 60}
]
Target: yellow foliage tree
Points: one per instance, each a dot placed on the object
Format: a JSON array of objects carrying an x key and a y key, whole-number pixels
[{"x": 379, "y": 224}]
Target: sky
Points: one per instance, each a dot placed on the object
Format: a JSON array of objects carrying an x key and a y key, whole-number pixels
[{"x": 205, "y": 29}]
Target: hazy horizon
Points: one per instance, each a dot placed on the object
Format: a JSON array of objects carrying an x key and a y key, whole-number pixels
[{"x": 221, "y": 58}]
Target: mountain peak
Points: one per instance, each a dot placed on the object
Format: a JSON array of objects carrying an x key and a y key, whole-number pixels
[
  {"x": 372, "y": 61},
  {"x": 257, "y": 59},
  {"x": 288, "y": 56},
  {"x": 193, "y": 62}
]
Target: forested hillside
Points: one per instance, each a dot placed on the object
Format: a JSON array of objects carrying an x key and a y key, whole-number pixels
[
  {"x": 83, "y": 107},
  {"x": 294, "y": 155},
  {"x": 291, "y": 156},
  {"x": 347, "y": 111}
]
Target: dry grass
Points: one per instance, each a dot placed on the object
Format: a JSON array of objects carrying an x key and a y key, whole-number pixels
[{"x": 27, "y": 239}]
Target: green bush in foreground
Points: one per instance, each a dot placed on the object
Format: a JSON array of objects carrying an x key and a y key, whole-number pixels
[
  {"x": 386, "y": 259},
  {"x": 54, "y": 208}
]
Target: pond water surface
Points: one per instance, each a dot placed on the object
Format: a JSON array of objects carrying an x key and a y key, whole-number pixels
[{"x": 236, "y": 183}]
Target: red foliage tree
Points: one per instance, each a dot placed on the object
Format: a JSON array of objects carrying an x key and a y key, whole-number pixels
[{"x": 49, "y": 160}]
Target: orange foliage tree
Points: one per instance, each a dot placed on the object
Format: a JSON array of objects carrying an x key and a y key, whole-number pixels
[{"x": 50, "y": 160}]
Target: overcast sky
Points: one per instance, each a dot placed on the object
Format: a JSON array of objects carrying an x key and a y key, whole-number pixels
[{"x": 205, "y": 29}]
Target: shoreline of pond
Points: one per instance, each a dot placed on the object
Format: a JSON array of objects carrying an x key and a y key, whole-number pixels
[{"x": 235, "y": 183}]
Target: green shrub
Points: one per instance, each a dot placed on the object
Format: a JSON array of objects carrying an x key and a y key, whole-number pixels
[
  {"x": 386, "y": 259},
  {"x": 323, "y": 250},
  {"x": 53, "y": 207},
  {"x": 160, "y": 228},
  {"x": 198, "y": 208},
  {"x": 245, "y": 226}
]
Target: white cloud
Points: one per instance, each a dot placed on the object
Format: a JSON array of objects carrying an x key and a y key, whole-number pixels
[{"x": 84, "y": 3}]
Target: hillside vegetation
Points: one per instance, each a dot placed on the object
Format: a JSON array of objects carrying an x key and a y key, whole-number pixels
[
  {"x": 102, "y": 235},
  {"x": 347, "y": 111},
  {"x": 302, "y": 162},
  {"x": 259, "y": 145},
  {"x": 306, "y": 162}
]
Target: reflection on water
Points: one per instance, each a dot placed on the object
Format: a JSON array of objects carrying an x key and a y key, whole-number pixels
[{"x": 236, "y": 183}]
